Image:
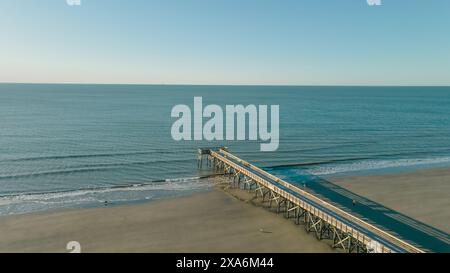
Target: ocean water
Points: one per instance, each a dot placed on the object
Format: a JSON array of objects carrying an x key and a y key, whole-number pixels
[{"x": 64, "y": 146}]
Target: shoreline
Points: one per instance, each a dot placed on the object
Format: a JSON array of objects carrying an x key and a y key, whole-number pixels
[
  {"x": 220, "y": 219},
  {"x": 215, "y": 221}
]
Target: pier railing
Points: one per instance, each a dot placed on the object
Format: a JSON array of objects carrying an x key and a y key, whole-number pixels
[{"x": 324, "y": 219}]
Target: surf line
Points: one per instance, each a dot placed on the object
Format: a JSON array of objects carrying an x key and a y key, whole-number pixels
[{"x": 236, "y": 117}]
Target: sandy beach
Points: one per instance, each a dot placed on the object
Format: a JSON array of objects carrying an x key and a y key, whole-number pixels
[
  {"x": 423, "y": 195},
  {"x": 214, "y": 221},
  {"x": 220, "y": 220}
]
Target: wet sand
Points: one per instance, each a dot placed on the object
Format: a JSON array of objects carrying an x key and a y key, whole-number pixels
[
  {"x": 214, "y": 221},
  {"x": 423, "y": 195},
  {"x": 221, "y": 220}
]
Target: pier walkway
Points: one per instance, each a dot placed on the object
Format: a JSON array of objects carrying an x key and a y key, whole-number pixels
[{"x": 324, "y": 219}]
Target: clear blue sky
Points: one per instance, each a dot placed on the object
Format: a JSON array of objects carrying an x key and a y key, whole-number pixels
[{"x": 401, "y": 42}]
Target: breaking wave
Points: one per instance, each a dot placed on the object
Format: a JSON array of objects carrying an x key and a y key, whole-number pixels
[
  {"x": 367, "y": 165},
  {"x": 30, "y": 202}
]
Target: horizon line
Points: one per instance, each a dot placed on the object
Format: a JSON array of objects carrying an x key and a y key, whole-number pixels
[{"x": 243, "y": 84}]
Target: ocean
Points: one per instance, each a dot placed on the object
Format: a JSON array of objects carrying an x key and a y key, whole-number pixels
[{"x": 70, "y": 146}]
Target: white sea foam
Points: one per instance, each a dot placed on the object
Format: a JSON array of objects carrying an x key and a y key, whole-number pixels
[
  {"x": 28, "y": 202},
  {"x": 183, "y": 179},
  {"x": 367, "y": 165}
]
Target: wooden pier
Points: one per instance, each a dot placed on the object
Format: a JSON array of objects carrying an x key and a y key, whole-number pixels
[{"x": 319, "y": 217}]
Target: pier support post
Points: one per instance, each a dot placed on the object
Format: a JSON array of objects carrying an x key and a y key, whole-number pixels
[{"x": 315, "y": 219}]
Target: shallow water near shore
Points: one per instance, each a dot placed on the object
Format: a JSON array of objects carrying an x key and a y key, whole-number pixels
[{"x": 65, "y": 146}]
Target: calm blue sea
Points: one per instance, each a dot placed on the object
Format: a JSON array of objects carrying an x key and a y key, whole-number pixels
[{"x": 79, "y": 145}]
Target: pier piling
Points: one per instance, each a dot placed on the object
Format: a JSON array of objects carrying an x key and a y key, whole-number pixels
[{"x": 324, "y": 220}]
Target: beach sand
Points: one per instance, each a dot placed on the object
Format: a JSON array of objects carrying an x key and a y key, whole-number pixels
[
  {"x": 423, "y": 195},
  {"x": 215, "y": 221},
  {"x": 220, "y": 220}
]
